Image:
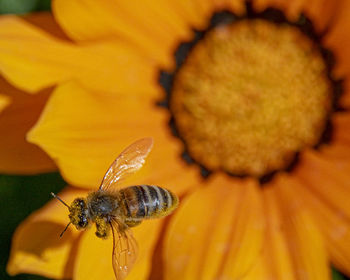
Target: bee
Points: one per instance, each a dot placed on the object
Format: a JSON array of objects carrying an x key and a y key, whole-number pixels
[{"x": 116, "y": 210}]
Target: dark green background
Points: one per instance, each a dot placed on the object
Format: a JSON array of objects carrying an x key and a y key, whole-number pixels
[
  {"x": 21, "y": 195},
  {"x": 23, "y": 6}
]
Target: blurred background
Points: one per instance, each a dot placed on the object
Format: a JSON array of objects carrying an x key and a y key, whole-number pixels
[
  {"x": 23, "y": 6},
  {"x": 21, "y": 195}
]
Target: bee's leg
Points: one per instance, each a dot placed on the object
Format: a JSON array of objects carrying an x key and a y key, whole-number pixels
[
  {"x": 132, "y": 223},
  {"x": 102, "y": 228}
]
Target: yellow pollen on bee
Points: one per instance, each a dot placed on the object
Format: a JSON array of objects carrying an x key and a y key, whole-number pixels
[
  {"x": 102, "y": 227},
  {"x": 249, "y": 96}
]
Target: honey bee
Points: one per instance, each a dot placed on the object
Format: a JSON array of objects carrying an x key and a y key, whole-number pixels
[{"x": 116, "y": 210}]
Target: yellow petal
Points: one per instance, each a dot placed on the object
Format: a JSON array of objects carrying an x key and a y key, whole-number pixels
[
  {"x": 16, "y": 118},
  {"x": 152, "y": 27},
  {"x": 85, "y": 132},
  {"x": 32, "y": 60},
  {"x": 37, "y": 247},
  {"x": 304, "y": 239},
  {"x": 216, "y": 233},
  {"x": 94, "y": 258}
]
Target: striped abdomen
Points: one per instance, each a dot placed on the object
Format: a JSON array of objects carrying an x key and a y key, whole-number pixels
[{"x": 144, "y": 202}]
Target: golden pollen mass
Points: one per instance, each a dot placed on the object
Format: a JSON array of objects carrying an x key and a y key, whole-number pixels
[{"x": 250, "y": 96}]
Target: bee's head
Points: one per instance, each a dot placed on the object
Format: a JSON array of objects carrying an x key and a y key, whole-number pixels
[{"x": 78, "y": 213}]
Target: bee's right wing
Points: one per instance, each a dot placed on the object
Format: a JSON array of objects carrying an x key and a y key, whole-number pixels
[
  {"x": 129, "y": 161},
  {"x": 124, "y": 249}
]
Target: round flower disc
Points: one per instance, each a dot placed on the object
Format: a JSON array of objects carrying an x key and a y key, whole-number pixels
[{"x": 250, "y": 96}]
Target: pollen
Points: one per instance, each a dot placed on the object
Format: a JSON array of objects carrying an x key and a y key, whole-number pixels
[
  {"x": 102, "y": 227},
  {"x": 250, "y": 96}
]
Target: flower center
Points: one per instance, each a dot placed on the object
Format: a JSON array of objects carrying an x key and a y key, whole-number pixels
[{"x": 251, "y": 95}]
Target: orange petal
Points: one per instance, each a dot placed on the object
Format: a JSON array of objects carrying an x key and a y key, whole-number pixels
[
  {"x": 322, "y": 12},
  {"x": 260, "y": 270},
  {"x": 32, "y": 60},
  {"x": 336, "y": 151},
  {"x": 94, "y": 258},
  {"x": 333, "y": 224},
  {"x": 216, "y": 233},
  {"x": 4, "y": 102},
  {"x": 198, "y": 13},
  {"x": 266, "y": 268},
  {"x": 337, "y": 155},
  {"x": 165, "y": 167},
  {"x": 17, "y": 155},
  {"x": 291, "y": 9},
  {"x": 305, "y": 241},
  {"x": 153, "y": 27},
  {"x": 293, "y": 247},
  {"x": 338, "y": 40},
  {"x": 194, "y": 12},
  {"x": 85, "y": 132},
  {"x": 37, "y": 247},
  {"x": 276, "y": 261},
  {"x": 234, "y": 6},
  {"x": 344, "y": 99},
  {"x": 46, "y": 22},
  {"x": 325, "y": 179},
  {"x": 174, "y": 175},
  {"x": 205, "y": 8},
  {"x": 341, "y": 128}
]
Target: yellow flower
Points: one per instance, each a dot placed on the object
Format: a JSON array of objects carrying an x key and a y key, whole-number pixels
[{"x": 250, "y": 95}]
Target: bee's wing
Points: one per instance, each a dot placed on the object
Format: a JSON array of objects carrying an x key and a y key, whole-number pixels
[
  {"x": 124, "y": 249},
  {"x": 129, "y": 161}
]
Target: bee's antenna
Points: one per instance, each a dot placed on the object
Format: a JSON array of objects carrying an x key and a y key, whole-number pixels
[
  {"x": 56, "y": 196},
  {"x": 65, "y": 229}
]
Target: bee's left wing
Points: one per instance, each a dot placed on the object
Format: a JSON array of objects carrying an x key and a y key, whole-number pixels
[
  {"x": 129, "y": 161},
  {"x": 124, "y": 249}
]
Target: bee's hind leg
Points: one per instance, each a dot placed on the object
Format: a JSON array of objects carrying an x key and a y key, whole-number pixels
[
  {"x": 132, "y": 223},
  {"x": 102, "y": 228}
]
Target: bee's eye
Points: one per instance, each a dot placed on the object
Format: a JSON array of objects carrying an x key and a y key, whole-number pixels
[
  {"x": 83, "y": 222},
  {"x": 78, "y": 213}
]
